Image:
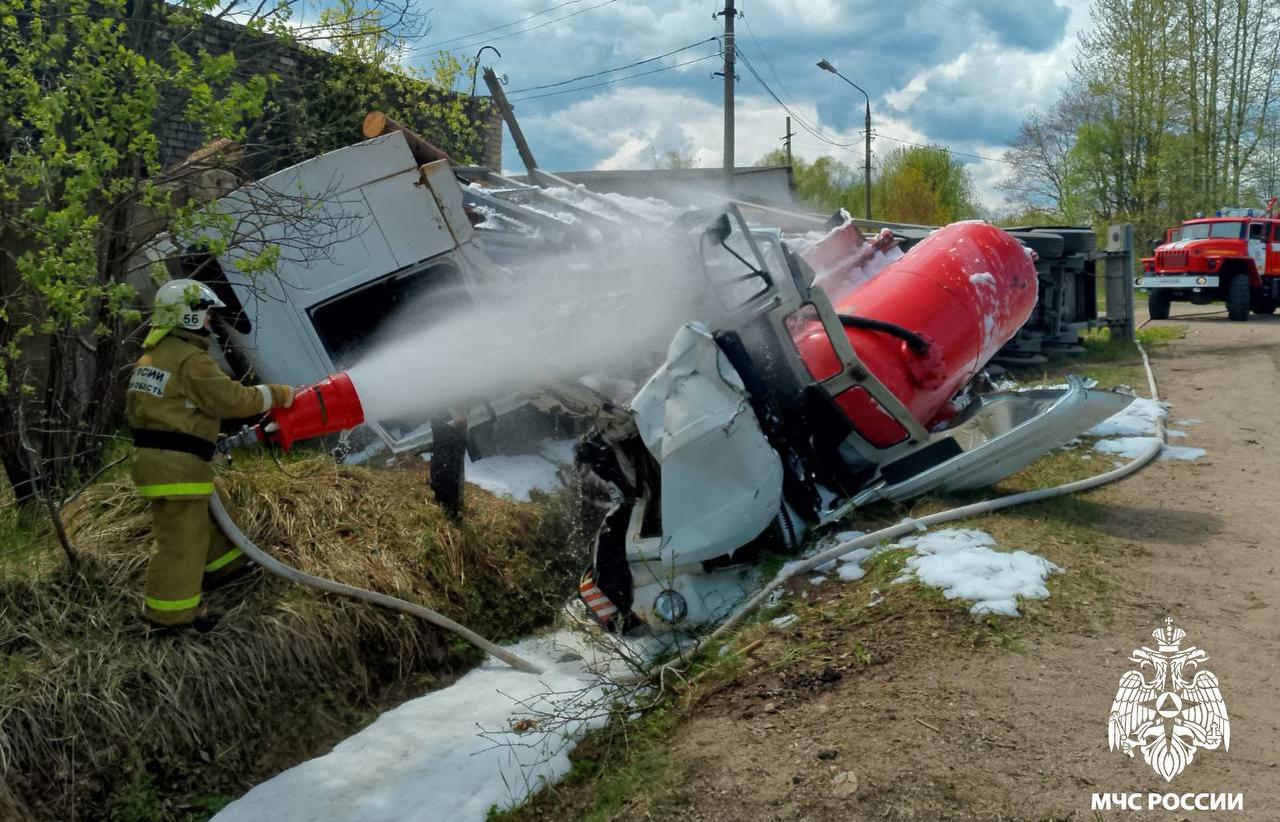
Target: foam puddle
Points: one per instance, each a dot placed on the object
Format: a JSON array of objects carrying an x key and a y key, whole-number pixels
[
  {"x": 489, "y": 740},
  {"x": 961, "y": 563},
  {"x": 517, "y": 475},
  {"x": 1130, "y": 432}
]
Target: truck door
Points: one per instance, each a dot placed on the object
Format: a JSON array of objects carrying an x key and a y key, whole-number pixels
[
  {"x": 1258, "y": 246},
  {"x": 1273, "y": 255}
]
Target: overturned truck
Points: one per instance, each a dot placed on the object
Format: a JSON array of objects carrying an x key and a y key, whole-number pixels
[
  {"x": 806, "y": 375},
  {"x": 795, "y": 409}
]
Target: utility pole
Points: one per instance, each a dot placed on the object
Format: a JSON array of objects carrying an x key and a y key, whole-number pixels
[
  {"x": 500, "y": 99},
  {"x": 729, "y": 14},
  {"x": 787, "y": 139},
  {"x": 866, "y": 169}
]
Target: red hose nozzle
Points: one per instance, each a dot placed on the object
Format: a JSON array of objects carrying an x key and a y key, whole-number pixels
[{"x": 326, "y": 407}]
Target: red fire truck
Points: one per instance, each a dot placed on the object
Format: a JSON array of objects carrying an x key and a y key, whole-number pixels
[{"x": 1233, "y": 256}]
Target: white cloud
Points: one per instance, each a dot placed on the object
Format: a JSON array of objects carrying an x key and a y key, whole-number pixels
[{"x": 939, "y": 73}]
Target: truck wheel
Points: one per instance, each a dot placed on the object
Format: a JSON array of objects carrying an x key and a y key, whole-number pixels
[
  {"x": 1263, "y": 305},
  {"x": 1158, "y": 301},
  {"x": 1238, "y": 298}
]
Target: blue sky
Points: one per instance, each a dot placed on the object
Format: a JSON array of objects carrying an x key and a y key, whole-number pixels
[{"x": 962, "y": 73}]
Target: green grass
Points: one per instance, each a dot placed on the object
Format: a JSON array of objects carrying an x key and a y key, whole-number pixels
[{"x": 1110, "y": 361}]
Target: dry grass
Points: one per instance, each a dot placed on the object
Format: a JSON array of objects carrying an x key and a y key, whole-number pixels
[{"x": 92, "y": 712}]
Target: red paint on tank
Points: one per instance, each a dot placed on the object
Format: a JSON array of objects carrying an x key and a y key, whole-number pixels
[{"x": 966, "y": 290}]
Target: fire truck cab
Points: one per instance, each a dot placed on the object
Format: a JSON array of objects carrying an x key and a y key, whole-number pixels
[{"x": 1233, "y": 256}]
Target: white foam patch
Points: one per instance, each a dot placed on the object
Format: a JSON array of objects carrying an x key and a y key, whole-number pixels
[
  {"x": 1134, "y": 447},
  {"x": 850, "y": 571},
  {"x": 490, "y": 739},
  {"x": 517, "y": 476},
  {"x": 961, "y": 562},
  {"x": 1185, "y": 423},
  {"x": 1140, "y": 417}
]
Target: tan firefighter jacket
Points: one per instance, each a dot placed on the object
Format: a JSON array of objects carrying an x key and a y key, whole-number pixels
[{"x": 176, "y": 400}]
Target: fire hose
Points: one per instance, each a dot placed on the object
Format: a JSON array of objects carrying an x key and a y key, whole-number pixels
[
  {"x": 912, "y": 524},
  {"x": 278, "y": 568},
  {"x": 326, "y": 407}
]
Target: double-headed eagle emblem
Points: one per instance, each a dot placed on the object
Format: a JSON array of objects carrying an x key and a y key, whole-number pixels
[{"x": 1172, "y": 711}]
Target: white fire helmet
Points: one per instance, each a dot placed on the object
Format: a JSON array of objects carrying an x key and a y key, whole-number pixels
[{"x": 183, "y": 304}]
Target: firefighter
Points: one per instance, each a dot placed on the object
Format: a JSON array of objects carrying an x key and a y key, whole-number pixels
[{"x": 177, "y": 396}]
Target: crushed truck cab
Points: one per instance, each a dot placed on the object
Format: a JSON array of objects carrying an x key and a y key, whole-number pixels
[{"x": 1234, "y": 257}]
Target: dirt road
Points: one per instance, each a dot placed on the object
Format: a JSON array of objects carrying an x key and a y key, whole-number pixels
[{"x": 939, "y": 729}]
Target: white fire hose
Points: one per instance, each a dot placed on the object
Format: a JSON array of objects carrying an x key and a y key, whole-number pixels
[{"x": 278, "y": 568}]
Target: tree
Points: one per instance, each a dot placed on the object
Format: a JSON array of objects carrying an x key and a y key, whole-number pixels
[
  {"x": 671, "y": 158},
  {"x": 827, "y": 184},
  {"x": 1168, "y": 113},
  {"x": 1039, "y": 180},
  {"x": 85, "y": 88},
  {"x": 923, "y": 185},
  {"x": 915, "y": 185}
]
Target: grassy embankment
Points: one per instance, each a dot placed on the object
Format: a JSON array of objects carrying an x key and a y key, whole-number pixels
[{"x": 99, "y": 722}]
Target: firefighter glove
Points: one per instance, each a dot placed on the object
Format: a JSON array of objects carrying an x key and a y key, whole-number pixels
[{"x": 281, "y": 396}]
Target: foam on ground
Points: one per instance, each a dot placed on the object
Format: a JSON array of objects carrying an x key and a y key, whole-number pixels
[
  {"x": 1133, "y": 447},
  {"x": 490, "y": 739},
  {"x": 516, "y": 476},
  {"x": 961, "y": 563}
]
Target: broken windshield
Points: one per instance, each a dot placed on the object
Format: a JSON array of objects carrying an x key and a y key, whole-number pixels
[{"x": 1201, "y": 231}]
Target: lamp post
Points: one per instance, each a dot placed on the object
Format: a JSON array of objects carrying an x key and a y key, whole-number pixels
[{"x": 825, "y": 65}]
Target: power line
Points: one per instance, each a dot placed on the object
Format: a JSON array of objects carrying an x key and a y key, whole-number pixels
[
  {"x": 768, "y": 62},
  {"x": 816, "y": 132},
  {"x": 541, "y": 25},
  {"x": 809, "y": 125},
  {"x": 813, "y": 130},
  {"x": 619, "y": 79},
  {"x": 504, "y": 25},
  {"x": 948, "y": 149},
  {"x": 612, "y": 70},
  {"x": 960, "y": 11}
]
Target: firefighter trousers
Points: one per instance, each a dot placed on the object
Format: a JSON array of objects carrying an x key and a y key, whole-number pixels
[{"x": 190, "y": 553}]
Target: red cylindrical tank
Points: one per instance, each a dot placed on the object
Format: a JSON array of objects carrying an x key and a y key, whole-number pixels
[
  {"x": 326, "y": 407},
  {"x": 966, "y": 290}
]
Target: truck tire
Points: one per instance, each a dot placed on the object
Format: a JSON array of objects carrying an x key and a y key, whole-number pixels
[
  {"x": 1238, "y": 298},
  {"x": 1158, "y": 301},
  {"x": 1262, "y": 305}
]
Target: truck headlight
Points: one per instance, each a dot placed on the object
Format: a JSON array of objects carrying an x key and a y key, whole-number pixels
[
  {"x": 1201, "y": 281},
  {"x": 670, "y": 607}
]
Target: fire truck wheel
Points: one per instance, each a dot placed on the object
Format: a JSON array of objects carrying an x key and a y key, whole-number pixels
[
  {"x": 1238, "y": 298},
  {"x": 1158, "y": 301},
  {"x": 1263, "y": 305}
]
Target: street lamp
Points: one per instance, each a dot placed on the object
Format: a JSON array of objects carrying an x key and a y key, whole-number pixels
[{"x": 825, "y": 65}]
